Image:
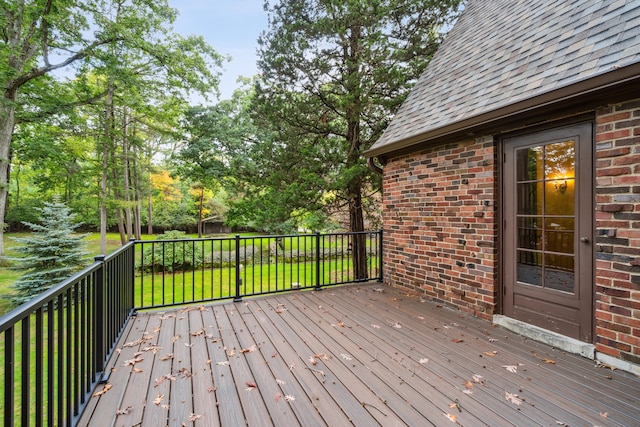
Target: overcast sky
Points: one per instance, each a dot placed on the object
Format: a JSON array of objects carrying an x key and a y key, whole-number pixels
[{"x": 231, "y": 27}]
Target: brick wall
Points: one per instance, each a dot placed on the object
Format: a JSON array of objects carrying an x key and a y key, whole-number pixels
[
  {"x": 618, "y": 231},
  {"x": 439, "y": 217}
]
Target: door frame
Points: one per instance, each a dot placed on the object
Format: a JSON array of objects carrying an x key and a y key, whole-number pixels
[{"x": 588, "y": 317}]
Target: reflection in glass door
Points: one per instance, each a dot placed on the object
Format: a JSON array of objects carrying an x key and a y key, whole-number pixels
[{"x": 545, "y": 215}]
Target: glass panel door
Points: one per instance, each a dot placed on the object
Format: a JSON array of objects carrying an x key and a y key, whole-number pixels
[{"x": 545, "y": 215}]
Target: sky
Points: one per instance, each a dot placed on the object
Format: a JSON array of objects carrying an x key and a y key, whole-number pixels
[{"x": 231, "y": 27}]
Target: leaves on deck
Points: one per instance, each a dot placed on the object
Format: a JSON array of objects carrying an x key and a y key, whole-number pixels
[
  {"x": 453, "y": 418},
  {"x": 423, "y": 360},
  {"x": 457, "y": 340},
  {"x": 124, "y": 411},
  {"x": 289, "y": 398},
  {"x": 194, "y": 417},
  {"x": 249, "y": 350},
  {"x": 513, "y": 398},
  {"x": 511, "y": 368},
  {"x": 158, "y": 399},
  {"x": 223, "y": 363},
  {"x": 162, "y": 379},
  {"x": 346, "y": 356},
  {"x": 251, "y": 385},
  {"x": 133, "y": 361},
  {"x": 168, "y": 356},
  {"x": 105, "y": 389}
]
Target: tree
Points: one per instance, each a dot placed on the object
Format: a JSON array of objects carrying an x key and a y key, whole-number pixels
[
  {"x": 38, "y": 37},
  {"x": 51, "y": 254},
  {"x": 332, "y": 75}
]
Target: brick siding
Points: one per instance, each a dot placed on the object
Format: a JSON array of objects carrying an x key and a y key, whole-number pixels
[
  {"x": 439, "y": 215},
  {"x": 618, "y": 231}
]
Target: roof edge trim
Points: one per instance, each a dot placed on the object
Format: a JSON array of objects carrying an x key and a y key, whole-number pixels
[{"x": 619, "y": 76}]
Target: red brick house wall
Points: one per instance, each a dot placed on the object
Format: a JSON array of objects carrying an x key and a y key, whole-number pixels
[
  {"x": 441, "y": 238},
  {"x": 618, "y": 231},
  {"x": 439, "y": 216}
]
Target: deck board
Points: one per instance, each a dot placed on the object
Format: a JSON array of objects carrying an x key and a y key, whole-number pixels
[{"x": 354, "y": 355}]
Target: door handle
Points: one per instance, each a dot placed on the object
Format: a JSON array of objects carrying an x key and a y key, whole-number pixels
[{"x": 584, "y": 239}]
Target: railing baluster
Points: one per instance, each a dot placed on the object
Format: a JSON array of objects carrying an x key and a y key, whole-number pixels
[
  {"x": 39, "y": 361},
  {"x": 237, "y": 296},
  {"x": 9, "y": 377},
  {"x": 25, "y": 359}
]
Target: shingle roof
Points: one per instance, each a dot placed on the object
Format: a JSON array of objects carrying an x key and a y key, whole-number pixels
[{"x": 501, "y": 52}]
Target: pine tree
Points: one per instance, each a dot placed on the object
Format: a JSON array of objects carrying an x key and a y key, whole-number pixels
[{"x": 51, "y": 253}]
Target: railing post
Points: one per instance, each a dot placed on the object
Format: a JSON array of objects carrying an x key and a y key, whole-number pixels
[
  {"x": 100, "y": 321},
  {"x": 238, "y": 297},
  {"x": 318, "y": 253},
  {"x": 132, "y": 278},
  {"x": 380, "y": 260}
]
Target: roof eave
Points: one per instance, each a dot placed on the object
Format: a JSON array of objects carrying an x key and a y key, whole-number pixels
[{"x": 601, "y": 89}]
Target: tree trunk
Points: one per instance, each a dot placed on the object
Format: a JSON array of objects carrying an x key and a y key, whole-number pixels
[
  {"x": 200, "y": 212},
  {"x": 137, "y": 228},
  {"x": 128, "y": 223},
  {"x": 150, "y": 224},
  {"x": 7, "y": 124},
  {"x": 105, "y": 168}
]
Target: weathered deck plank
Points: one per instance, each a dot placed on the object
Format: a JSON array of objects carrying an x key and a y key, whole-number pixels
[{"x": 350, "y": 356}]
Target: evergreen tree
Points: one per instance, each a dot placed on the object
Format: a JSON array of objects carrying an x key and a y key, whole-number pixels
[{"x": 51, "y": 253}]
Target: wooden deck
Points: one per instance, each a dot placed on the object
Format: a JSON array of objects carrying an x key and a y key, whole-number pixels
[{"x": 353, "y": 355}]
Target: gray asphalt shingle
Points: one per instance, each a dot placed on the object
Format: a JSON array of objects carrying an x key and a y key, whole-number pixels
[{"x": 502, "y": 52}]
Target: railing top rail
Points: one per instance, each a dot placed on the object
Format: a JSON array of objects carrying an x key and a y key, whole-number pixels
[{"x": 257, "y": 236}]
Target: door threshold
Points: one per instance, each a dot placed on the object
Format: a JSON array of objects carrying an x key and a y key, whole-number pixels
[{"x": 554, "y": 339}]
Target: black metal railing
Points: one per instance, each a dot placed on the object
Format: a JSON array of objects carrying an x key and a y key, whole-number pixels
[{"x": 55, "y": 346}]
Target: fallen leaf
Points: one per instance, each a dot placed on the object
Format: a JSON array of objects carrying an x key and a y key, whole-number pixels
[
  {"x": 346, "y": 356},
  {"x": 375, "y": 326},
  {"x": 492, "y": 340},
  {"x": 176, "y": 338},
  {"x": 249, "y": 350},
  {"x": 105, "y": 389},
  {"x": 468, "y": 384},
  {"x": 396, "y": 325},
  {"x": 467, "y": 391},
  {"x": 251, "y": 386},
  {"x": 549, "y": 361},
  {"x": 185, "y": 373},
  {"x": 124, "y": 411},
  {"x": 277, "y": 397},
  {"x": 289, "y": 398},
  {"x": 455, "y": 405},
  {"x": 491, "y": 353},
  {"x": 153, "y": 348},
  {"x": 513, "y": 398},
  {"x": 451, "y": 417},
  {"x": 193, "y": 417},
  {"x": 165, "y": 406},
  {"x": 321, "y": 356},
  {"x": 423, "y": 360},
  {"x": 137, "y": 370},
  {"x": 197, "y": 333},
  {"x": 280, "y": 382},
  {"x": 232, "y": 352},
  {"x": 313, "y": 360},
  {"x": 604, "y": 414},
  {"x": 167, "y": 357},
  {"x": 561, "y": 423},
  {"x": 457, "y": 340},
  {"x": 223, "y": 363},
  {"x": 211, "y": 389},
  {"x": 511, "y": 368},
  {"x": 132, "y": 362},
  {"x": 158, "y": 399},
  {"x": 188, "y": 345},
  {"x": 478, "y": 378}
]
